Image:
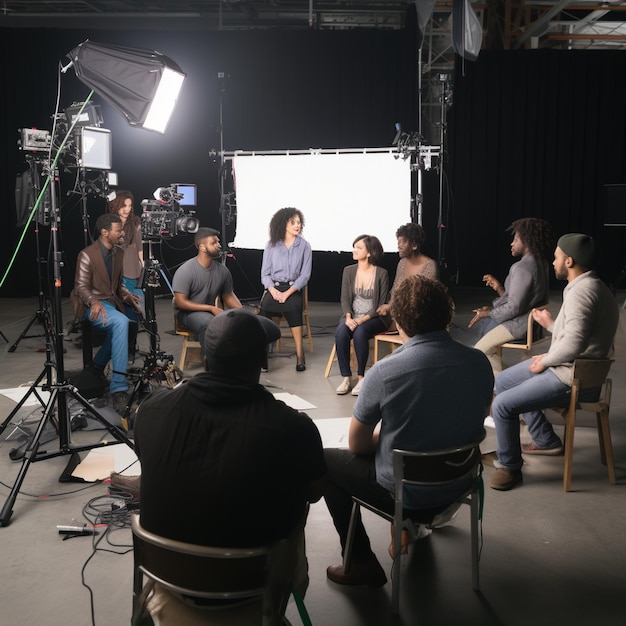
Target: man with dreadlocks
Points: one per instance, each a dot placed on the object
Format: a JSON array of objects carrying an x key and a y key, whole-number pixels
[{"x": 525, "y": 288}]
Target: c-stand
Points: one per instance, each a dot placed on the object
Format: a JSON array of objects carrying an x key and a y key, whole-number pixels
[
  {"x": 228, "y": 202},
  {"x": 59, "y": 389},
  {"x": 41, "y": 315}
]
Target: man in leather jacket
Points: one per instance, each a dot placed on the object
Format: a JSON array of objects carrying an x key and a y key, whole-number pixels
[{"x": 100, "y": 296}]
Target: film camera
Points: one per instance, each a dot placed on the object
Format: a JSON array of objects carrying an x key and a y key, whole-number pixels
[{"x": 169, "y": 215}]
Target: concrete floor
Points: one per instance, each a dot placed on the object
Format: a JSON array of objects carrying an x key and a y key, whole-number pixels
[{"x": 548, "y": 557}]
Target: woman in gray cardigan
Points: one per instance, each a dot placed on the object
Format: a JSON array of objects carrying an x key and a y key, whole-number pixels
[
  {"x": 525, "y": 288},
  {"x": 364, "y": 288}
]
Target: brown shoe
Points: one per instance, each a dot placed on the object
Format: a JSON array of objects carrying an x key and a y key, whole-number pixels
[
  {"x": 505, "y": 479},
  {"x": 531, "y": 448},
  {"x": 126, "y": 484},
  {"x": 368, "y": 573}
]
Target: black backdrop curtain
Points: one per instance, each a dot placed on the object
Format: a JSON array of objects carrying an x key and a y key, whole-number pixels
[
  {"x": 536, "y": 133},
  {"x": 530, "y": 133},
  {"x": 281, "y": 90}
]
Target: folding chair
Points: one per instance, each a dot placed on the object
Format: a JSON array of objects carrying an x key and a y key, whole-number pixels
[{"x": 458, "y": 465}]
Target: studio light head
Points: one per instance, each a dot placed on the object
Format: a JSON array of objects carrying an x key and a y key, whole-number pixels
[{"x": 142, "y": 84}]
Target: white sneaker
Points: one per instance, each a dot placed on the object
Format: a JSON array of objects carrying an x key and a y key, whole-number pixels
[
  {"x": 344, "y": 387},
  {"x": 489, "y": 423},
  {"x": 357, "y": 387}
]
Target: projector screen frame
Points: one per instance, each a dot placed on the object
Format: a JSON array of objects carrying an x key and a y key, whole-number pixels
[{"x": 386, "y": 219}]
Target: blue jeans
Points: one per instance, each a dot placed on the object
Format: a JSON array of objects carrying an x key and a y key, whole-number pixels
[
  {"x": 115, "y": 344},
  {"x": 131, "y": 285},
  {"x": 196, "y": 322},
  {"x": 361, "y": 337},
  {"x": 518, "y": 391}
]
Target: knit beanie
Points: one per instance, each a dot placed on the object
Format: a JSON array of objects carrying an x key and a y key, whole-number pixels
[{"x": 582, "y": 248}]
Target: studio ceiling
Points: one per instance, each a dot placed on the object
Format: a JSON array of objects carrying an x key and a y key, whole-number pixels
[{"x": 507, "y": 24}]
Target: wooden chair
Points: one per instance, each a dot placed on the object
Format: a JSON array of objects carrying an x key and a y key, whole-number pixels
[
  {"x": 332, "y": 358},
  {"x": 282, "y": 323},
  {"x": 190, "y": 351},
  {"x": 588, "y": 374},
  {"x": 435, "y": 468},
  {"x": 534, "y": 334},
  {"x": 229, "y": 577},
  {"x": 392, "y": 338}
]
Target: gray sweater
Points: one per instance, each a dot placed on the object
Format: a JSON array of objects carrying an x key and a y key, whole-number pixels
[
  {"x": 381, "y": 290},
  {"x": 525, "y": 288},
  {"x": 585, "y": 326}
]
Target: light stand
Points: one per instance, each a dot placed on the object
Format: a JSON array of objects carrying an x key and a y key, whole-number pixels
[
  {"x": 225, "y": 213},
  {"x": 83, "y": 204},
  {"x": 444, "y": 100},
  {"x": 41, "y": 315},
  {"x": 228, "y": 208}
]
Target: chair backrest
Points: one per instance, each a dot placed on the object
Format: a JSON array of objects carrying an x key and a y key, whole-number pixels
[
  {"x": 436, "y": 467},
  {"x": 200, "y": 571},
  {"x": 591, "y": 372}
]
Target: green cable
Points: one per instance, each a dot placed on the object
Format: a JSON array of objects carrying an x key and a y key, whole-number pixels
[{"x": 304, "y": 614}]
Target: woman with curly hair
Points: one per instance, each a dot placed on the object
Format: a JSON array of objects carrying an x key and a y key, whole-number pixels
[
  {"x": 122, "y": 205},
  {"x": 412, "y": 261},
  {"x": 525, "y": 287},
  {"x": 364, "y": 287},
  {"x": 285, "y": 271}
]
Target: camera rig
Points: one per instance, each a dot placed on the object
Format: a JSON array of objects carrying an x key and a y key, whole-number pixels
[{"x": 165, "y": 216}]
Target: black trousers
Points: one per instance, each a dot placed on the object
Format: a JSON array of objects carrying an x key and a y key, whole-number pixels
[
  {"x": 353, "y": 475},
  {"x": 291, "y": 309}
]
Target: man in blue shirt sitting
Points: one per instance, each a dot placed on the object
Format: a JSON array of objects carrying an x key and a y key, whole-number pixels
[{"x": 431, "y": 393}]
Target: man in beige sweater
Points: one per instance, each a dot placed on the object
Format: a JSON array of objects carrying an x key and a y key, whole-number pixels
[{"x": 584, "y": 328}]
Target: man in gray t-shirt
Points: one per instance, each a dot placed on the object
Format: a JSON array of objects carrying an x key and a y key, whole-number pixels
[
  {"x": 432, "y": 393},
  {"x": 200, "y": 281}
]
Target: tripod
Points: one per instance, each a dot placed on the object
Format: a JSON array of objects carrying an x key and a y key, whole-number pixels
[
  {"x": 41, "y": 314},
  {"x": 158, "y": 367},
  {"x": 60, "y": 389}
]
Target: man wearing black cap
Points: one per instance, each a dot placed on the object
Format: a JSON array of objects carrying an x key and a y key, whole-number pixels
[
  {"x": 584, "y": 328},
  {"x": 223, "y": 463}
]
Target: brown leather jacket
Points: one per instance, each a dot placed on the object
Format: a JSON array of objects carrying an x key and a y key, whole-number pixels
[{"x": 92, "y": 280}]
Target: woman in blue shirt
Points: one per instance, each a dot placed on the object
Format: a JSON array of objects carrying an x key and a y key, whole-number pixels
[{"x": 285, "y": 271}]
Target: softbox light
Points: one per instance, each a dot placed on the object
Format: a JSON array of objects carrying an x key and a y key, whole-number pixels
[{"x": 142, "y": 84}]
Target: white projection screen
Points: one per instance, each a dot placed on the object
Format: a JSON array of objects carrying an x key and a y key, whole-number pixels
[{"x": 341, "y": 194}]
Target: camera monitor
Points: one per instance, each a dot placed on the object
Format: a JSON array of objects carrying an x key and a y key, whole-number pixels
[
  {"x": 188, "y": 192},
  {"x": 95, "y": 148}
]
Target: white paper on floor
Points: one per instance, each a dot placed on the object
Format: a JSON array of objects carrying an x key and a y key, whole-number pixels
[
  {"x": 334, "y": 431},
  {"x": 295, "y": 402},
  {"x": 100, "y": 462},
  {"x": 17, "y": 393}
]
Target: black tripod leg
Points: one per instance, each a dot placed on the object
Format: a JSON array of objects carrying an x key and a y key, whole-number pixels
[
  {"x": 116, "y": 431},
  {"x": 20, "y": 404},
  {"x": 33, "y": 319},
  {"x": 29, "y": 455},
  {"x": 4, "y": 337}
]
